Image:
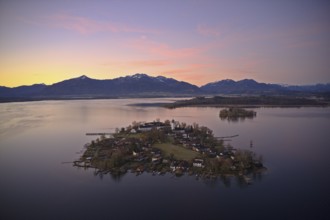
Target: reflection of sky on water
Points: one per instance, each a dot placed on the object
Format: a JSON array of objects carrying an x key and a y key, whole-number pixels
[
  {"x": 91, "y": 115},
  {"x": 307, "y": 112},
  {"x": 37, "y": 137},
  {"x": 18, "y": 117}
]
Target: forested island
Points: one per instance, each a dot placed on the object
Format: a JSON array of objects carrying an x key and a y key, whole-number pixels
[
  {"x": 170, "y": 146},
  {"x": 235, "y": 113},
  {"x": 248, "y": 101}
]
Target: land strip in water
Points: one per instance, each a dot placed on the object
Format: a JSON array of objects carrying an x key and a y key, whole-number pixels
[{"x": 249, "y": 102}]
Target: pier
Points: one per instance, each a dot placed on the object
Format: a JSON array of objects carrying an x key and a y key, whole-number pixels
[
  {"x": 236, "y": 135},
  {"x": 99, "y": 134}
]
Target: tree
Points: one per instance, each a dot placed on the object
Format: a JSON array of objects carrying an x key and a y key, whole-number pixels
[
  {"x": 214, "y": 165},
  {"x": 245, "y": 158},
  {"x": 195, "y": 126},
  {"x": 225, "y": 165},
  {"x": 116, "y": 159},
  {"x": 129, "y": 128},
  {"x": 183, "y": 125}
]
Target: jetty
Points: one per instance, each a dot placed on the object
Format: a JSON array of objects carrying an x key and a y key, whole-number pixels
[
  {"x": 232, "y": 136},
  {"x": 90, "y": 134}
]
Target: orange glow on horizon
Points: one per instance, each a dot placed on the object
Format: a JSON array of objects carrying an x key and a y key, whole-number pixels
[{"x": 50, "y": 77}]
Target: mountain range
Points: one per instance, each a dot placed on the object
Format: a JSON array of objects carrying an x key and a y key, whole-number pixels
[{"x": 142, "y": 85}]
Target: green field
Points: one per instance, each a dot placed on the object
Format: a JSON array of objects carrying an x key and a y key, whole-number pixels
[{"x": 180, "y": 153}]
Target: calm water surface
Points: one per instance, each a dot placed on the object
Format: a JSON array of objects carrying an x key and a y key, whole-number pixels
[{"x": 36, "y": 137}]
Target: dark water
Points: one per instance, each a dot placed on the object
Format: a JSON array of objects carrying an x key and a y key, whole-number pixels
[{"x": 36, "y": 137}]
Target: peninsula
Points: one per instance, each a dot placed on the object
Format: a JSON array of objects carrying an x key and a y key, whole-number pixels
[
  {"x": 170, "y": 146},
  {"x": 249, "y": 102}
]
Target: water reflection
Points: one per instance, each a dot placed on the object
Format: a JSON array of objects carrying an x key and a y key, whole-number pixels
[
  {"x": 226, "y": 181},
  {"x": 294, "y": 141},
  {"x": 237, "y": 119},
  {"x": 117, "y": 177},
  {"x": 258, "y": 176},
  {"x": 211, "y": 182},
  {"x": 242, "y": 181}
]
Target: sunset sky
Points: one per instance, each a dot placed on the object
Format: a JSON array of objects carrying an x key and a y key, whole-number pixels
[{"x": 198, "y": 41}]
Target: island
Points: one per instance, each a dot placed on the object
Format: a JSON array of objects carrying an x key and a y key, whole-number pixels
[
  {"x": 235, "y": 113},
  {"x": 161, "y": 147}
]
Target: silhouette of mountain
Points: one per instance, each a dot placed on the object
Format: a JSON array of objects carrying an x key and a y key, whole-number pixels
[
  {"x": 245, "y": 86},
  {"x": 22, "y": 91},
  {"x": 128, "y": 86},
  {"x": 142, "y": 85}
]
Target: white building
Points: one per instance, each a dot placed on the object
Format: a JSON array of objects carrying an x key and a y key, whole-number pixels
[{"x": 198, "y": 163}]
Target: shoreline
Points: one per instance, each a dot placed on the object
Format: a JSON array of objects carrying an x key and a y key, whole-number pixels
[
  {"x": 249, "y": 102},
  {"x": 201, "y": 101}
]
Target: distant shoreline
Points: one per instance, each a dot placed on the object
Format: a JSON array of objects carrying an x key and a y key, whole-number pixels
[
  {"x": 216, "y": 101},
  {"x": 249, "y": 102},
  {"x": 35, "y": 99}
]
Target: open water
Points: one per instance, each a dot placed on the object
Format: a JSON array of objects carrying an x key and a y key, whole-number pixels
[{"x": 36, "y": 137}]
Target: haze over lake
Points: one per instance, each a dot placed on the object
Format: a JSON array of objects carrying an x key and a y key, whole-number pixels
[{"x": 36, "y": 137}]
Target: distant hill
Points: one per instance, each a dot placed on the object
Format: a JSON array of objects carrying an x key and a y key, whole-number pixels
[
  {"x": 137, "y": 85},
  {"x": 250, "y": 86},
  {"x": 21, "y": 91},
  {"x": 245, "y": 86},
  {"x": 142, "y": 85},
  {"x": 318, "y": 88}
]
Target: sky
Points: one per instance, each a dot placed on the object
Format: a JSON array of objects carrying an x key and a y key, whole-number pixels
[{"x": 197, "y": 41}]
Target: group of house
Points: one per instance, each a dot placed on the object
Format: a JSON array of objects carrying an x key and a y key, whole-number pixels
[{"x": 181, "y": 135}]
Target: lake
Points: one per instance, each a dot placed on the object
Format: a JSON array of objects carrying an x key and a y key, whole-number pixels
[{"x": 37, "y": 137}]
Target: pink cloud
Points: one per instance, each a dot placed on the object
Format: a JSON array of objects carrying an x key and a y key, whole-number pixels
[
  {"x": 164, "y": 50},
  {"x": 149, "y": 63},
  {"x": 84, "y": 25},
  {"x": 139, "y": 63},
  {"x": 174, "y": 72},
  {"x": 208, "y": 31},
  {"x": 194, "y": 73},
  {"x": 289, "y": 37}
]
